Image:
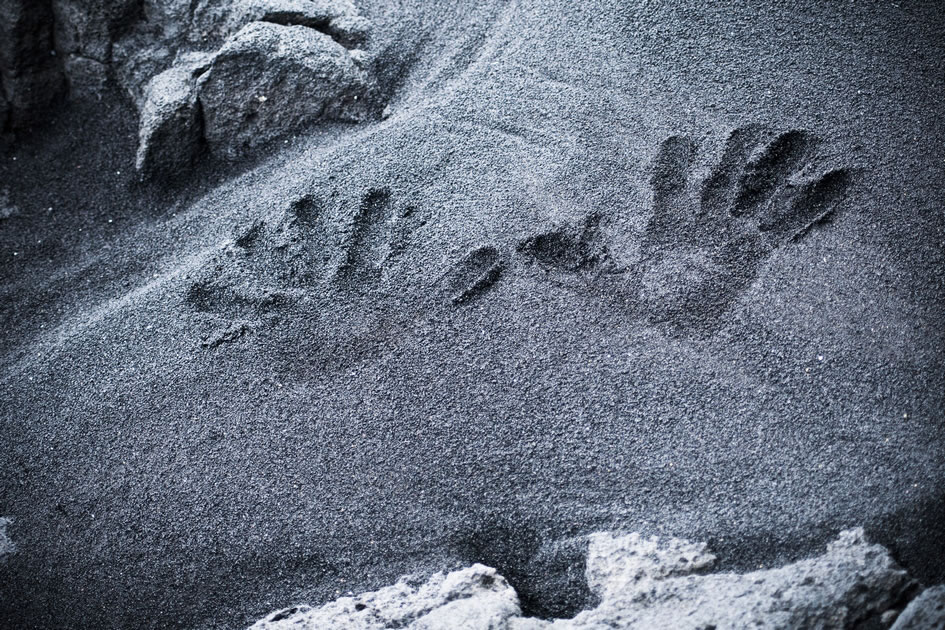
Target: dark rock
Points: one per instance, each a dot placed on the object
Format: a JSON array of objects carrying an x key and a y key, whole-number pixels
[
  {"x": 87, "y": 77},
  {"x": 4, "y": 107},
  {"x": 32, "y": 79},
  {"x": 7, "y": 208},
  {"x": 340, "y": 20},
  {"x": 89, "y": 27},
  {"x": 153, "y": 44},
  {"x": 351, "y": 31},
  {"x": 312, "y": 13},
  {"x": 214, "y": 21}
]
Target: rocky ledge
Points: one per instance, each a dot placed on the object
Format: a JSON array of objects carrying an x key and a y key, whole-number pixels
[{"x": 644, "y": 583}]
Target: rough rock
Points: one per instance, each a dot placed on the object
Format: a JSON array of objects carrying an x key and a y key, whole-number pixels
[
  {"x": 268, "y": 80},
  {"x": 87, "y": 77},
  {"x": 153, "y": 44},
  {"x": 281, "y": 65},
  {"x": 141, "y": 38},
  {"x": 925, "y": 612},
  {"x": 646, "y": 583},
  {"x": 475, "y": 597},
  {"x": 6, "y": 545},
  {"x": 169, "y": 132},
  {"x": 167, "y": 28},
  {"x": 338, "y": 19},
  {"x": 87, "y": 28},
  {"x": 30, "y": 74}
]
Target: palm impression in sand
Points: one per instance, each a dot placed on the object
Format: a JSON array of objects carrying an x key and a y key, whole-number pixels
[
  {"x": 277, "y": 262},
  {"x": 706, "y": 243}
]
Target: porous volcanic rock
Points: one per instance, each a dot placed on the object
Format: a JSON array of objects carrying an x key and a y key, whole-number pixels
[
  {"x": 646, "y": 583},
  {"x": 475, "y": 597}
]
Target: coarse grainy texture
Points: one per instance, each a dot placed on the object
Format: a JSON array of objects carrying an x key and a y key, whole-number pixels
[
  {"x": 6, "y": 545},
  {"x": 268, "y": 80},
  {"x": 647, "y": 584},
  {"x": 666, "y": 267}
]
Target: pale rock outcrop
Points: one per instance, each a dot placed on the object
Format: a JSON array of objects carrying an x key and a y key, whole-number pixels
[
  {"x": 476, "y": 597},
  {"x": 648, "y": 583},
  {"x": 645, "y": 583}
]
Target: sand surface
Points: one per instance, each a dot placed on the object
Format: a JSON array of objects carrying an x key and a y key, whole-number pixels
[{"x": 506, "y": 313}]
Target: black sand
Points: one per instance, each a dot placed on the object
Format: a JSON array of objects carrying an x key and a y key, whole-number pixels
[{"x": 475, "y": 326}]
